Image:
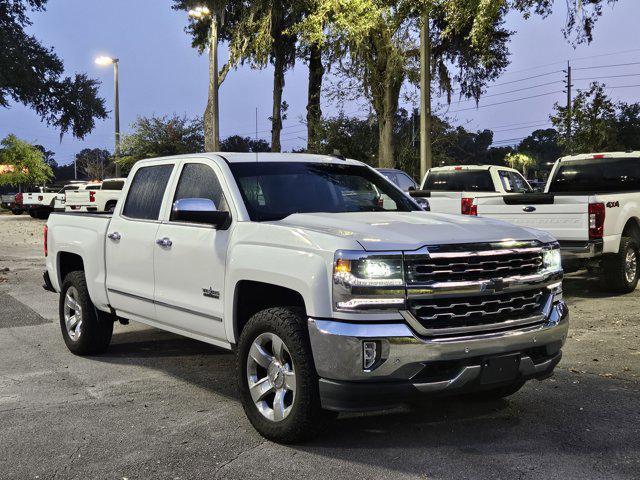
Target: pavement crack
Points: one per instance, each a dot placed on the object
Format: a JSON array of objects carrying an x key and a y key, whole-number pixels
[{"x": 222, "y": 467}]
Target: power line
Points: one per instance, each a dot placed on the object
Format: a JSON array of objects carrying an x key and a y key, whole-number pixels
[
  {"x": 522, "y": 128},
  {"x": 607, "y": 66},
  {"x": 609, "y": 76},
  {"x": 524, "y": 79},
  {"x": 507, "y": 101}
]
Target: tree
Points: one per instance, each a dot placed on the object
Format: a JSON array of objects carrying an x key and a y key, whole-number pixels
[
  {"x": 544, "y": 146},
  {"x": 48, "y": 156},
  {"x": 23, "y": 163},
  {"x": 161, "y": 136},
  {"x": 592, "y": 121},
  {"x": 31, "y": 74},
  {"x": 95, "y": 163},
  {"x": 520, "y": 161},
  {"x": 374, "y": 44},
  {"x": 236, "y": 143}
]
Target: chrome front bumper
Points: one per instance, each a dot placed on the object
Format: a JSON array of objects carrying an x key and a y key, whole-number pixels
[{"x": 406, "y": 358}]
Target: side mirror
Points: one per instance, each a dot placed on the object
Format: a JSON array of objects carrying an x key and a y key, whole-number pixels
[
  {"x": 411, "y": 188},
  {"x": 200, "y": 210}
]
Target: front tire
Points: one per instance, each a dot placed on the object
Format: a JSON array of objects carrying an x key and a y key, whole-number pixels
[
  {"x": 276, "y": 376},
  {"x": 85, "y": 330},
  {"x": 620, "y": 271},
  {"x": 16, "y": 212}
]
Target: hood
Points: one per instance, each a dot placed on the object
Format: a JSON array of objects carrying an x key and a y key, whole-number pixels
[{"x": 379, "y": 231}]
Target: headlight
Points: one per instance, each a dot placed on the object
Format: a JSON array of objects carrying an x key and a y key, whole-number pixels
[
  {"x": 551, "y": 260},
  {"x": 367, "y": 281}
]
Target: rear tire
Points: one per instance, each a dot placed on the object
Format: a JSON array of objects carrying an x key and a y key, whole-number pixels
[
  {"x": 85, "y": 330},
  {"x": 289, "y": 376},
  {"x": 33, "y": 213},
  {"x": 620, "y": 271},
  {"x": 16, "y": 212}
]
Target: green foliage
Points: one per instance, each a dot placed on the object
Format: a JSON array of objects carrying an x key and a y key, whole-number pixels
[
  {"x": 597, "y": 123},
  {"x": 236, "y": 143},
  {"x": 95, "y": 163},
  {"x": 25, "y": 163},
  {"x": 161, "y": 136},
  {"x": 520, "y": 161},
  {"x": 544, "y": 146},
  {"x": 31, "y": 74}
]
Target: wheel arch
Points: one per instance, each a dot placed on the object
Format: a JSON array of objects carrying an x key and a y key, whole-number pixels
[
  {"x": 632, "y": 229},
  {"x": 252, "y": 296}
]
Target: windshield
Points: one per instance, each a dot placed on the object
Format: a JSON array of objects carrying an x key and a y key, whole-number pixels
[
  {"x": 597, "y": 175},
  {"x": 275, "y": 190}
]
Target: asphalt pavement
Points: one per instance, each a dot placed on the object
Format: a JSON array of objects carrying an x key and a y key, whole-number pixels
[{"x": 158, "y": 406}]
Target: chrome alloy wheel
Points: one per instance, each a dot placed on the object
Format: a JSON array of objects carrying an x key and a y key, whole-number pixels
[
  {"x": 271, "y": 377},
  {"x": 630, "y": 265},
  {"x": 72, "y": 314}
]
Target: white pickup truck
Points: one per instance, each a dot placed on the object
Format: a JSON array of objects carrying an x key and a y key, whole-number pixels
[
  {"x": 591, "y": 205},
  {"x": 452, "y": 189},
  {"x": 332, "y": 297},
  {"x": 45, "y": 200},
  {"x": 96, "y": 198}
]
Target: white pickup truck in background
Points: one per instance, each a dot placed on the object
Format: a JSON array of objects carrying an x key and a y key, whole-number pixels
[
  {"x": 452, "y": 189},
  {"x": 96, "y": 198},
  {"x": 331, "y": 285},
  {"x": 45, "y": 200},
  {"x": 591, "y": 205}
]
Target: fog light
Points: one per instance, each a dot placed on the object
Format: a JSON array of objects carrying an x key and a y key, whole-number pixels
[{"x": 370, "y": 353}]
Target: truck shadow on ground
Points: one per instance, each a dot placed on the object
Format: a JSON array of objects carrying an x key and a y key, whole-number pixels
[
  {"x": 583, "y": 285},
  {"x": 562, "y": 418}
]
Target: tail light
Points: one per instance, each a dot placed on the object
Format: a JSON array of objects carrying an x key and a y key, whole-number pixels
[
  {"x": 92, "y": 196},
  {"x": 467, "y": 207},
  {"x": 46, "y": 245},
  {"x": 19, "y": 198},
  {"x": 596, "y": 220}
]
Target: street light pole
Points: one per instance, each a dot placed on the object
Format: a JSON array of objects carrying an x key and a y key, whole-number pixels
[
  {"x": 117, "y": 116},
  {"x": 104, "y": 61}
]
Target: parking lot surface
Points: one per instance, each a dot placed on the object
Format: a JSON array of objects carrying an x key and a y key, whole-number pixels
[{"x": 159, "y": 406}]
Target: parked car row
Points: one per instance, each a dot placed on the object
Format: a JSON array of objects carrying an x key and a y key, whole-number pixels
[
  {"x": 590, "y": 204},
  {"x": 76, "y": 196}
]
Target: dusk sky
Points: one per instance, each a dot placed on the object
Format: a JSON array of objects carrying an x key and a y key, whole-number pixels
[{"x": 161, "y": 74}]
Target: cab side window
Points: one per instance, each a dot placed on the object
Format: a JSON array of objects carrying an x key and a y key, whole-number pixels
[
  {"x": 198, "y": 180},
  {"x": 144, "y": 198}
]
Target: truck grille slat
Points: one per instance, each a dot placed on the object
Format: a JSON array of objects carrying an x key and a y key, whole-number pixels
[
  {"x": 425, "y": 269},
  {"x": 443, "y": 315}
]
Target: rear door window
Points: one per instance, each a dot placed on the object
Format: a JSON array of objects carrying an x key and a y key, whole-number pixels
[
  {"x": 513, "y": 182},
  {"x": 597, "y": 175},
  {"x": 460, "y": 181},
  {"x": 146, "y": 192}
]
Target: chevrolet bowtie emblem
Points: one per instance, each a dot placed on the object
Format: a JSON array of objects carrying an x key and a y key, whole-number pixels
[{"x": 496, "y": 285}]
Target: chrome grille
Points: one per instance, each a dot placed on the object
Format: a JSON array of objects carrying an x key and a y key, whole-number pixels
[
  {"x": 442, "y": 316},
  {"x": 471, "y": 266}
]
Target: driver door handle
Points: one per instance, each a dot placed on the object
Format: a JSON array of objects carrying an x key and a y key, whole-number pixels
[
  {"x": 115, "y": 236},
  {"x": 164, "y": 242}
]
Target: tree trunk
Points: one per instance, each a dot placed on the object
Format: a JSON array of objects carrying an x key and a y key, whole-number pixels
[
  {"x": 386, "y": 109},
  {"x": 211, "y": 113},
  {"x": 314, "y": 112},
  {"x": 278, "y": 87}
]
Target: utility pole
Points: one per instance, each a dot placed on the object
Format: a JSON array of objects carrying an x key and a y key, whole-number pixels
[
  {"x": 569, "y": 103},
  {"x": 426, "y": 156}
]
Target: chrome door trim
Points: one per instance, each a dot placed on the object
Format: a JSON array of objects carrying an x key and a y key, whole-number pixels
[{"x": 166, "y": 305}]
